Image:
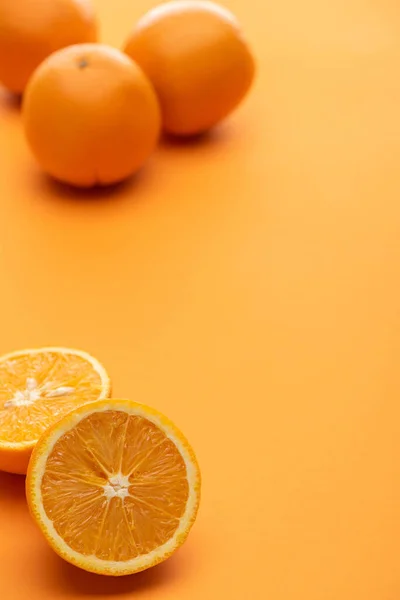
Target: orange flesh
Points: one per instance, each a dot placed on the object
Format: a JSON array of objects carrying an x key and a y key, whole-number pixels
[
  {"x": 60, "y": 382},
  {"x": 115, "y": 486}
]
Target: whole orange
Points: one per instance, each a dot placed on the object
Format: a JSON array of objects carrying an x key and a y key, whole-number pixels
[
  {"x": 196, "y": 56},
  {"x": 91, "y": 116},
  {"x": 30, "y": 30}
]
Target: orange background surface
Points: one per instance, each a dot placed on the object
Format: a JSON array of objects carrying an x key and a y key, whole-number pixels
[{"x": 247, "y": 286}]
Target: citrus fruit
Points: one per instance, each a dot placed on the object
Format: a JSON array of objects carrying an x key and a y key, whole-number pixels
[
  {"x": 31, "y": 30},
  {"x": 91, "y": 116},
  {"x": 196, "y": 56},
  {"x": 37, "y": 387},
  {"x": 114, "y": 486}
]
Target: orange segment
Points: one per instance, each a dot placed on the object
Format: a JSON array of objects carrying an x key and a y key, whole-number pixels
[
  {"x": 36, "y": 388},
  {"x": 114, "y": 487}
]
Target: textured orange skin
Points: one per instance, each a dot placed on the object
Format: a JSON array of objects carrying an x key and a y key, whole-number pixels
[
  {"x": 31, "y": 30},
  {"x": 42, "y": 447},
  {"x": 198, "y": 61},
  {"x": 16, "y": 460},
  {"x": 91, "y": 116}
]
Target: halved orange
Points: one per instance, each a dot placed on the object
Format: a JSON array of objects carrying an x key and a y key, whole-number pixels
[
  {"x": 37, "y": 387},
  {"x": 114, "y": 487}
]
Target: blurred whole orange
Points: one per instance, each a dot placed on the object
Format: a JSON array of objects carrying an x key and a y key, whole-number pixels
[
  {"x": 91, "y": 116},
  {"x": 30, "y": 30},
  {"x": 196, "y": 56}
]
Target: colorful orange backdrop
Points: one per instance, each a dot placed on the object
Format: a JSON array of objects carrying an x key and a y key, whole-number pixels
[{"x": 248, "y": 286}]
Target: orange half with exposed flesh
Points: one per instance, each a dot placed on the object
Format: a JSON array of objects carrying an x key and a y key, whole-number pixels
[
  {"x": 114, "y": 487},
  {"x": 37, "y": 387}
]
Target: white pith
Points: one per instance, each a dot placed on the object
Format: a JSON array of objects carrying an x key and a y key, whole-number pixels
[
  {"x": 117, "y": 487},
  {"x": 34, "y": 392}
]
